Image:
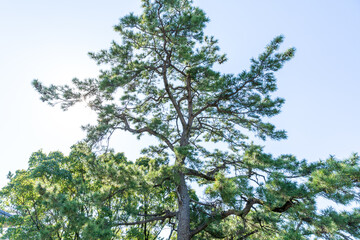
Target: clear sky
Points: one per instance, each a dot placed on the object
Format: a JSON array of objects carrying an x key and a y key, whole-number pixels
[{"x": 49, "y": 41}]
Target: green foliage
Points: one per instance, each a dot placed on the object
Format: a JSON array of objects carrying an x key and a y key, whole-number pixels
[
  {"x": 80, "y": 196},
  {"x": 161, "y": 81}
]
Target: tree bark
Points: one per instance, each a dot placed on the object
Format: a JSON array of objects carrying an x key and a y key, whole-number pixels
[{"x": 183, "y": 231}]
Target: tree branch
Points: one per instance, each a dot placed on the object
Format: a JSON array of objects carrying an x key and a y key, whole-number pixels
[
  {"x": 145, "y": 129},
  {"x": 226, "y": 214},
  {"x": 192, "y": 172},
  {"x": 285, "y": 207},
  {"x": 225, "y": 95},
  {"x": 248, "y": 234},
  {"x": 168, "y": 214}
]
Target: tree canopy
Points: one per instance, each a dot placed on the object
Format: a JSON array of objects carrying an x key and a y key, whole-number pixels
[
  {"x": 161, "y": 80},
  {"x": 81, "y": 196}
]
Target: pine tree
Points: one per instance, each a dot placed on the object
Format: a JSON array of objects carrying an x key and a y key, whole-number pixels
[{"x": 162, "y": 82}]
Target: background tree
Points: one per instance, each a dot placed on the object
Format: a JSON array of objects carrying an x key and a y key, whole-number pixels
[
  {"x": 80, "y": 196},
  {"x": 162, "y": 81}
]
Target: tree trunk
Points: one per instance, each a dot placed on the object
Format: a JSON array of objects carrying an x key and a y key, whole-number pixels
[{"x": 183, "y": 231}]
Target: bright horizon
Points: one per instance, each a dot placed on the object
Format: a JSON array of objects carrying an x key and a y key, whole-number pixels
[{"x": 49, "y": 41}]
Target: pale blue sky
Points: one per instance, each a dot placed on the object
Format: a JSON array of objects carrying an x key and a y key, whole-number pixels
[{"x": 49, "y": 40}]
